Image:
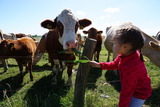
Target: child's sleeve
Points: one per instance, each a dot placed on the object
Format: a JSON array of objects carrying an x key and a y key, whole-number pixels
[{"x": 110, "y": 65}]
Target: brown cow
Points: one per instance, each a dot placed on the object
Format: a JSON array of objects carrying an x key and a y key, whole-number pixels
[
  {"x": 62, "y": 36},
  {"x": 22, "y": 50},
  {"x": 95, "y": 34},
  {"x": 11, "y": 36}
]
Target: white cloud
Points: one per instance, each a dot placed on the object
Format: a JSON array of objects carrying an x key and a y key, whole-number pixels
[
  {"x": 81, "y": 13},
  {"x": 102, "y": 17},
  {"x": 108, "y": 16},
  {"x": 112, "y": 10}
]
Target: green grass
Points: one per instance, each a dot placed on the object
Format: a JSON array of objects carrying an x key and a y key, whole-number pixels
[{"x": 41, "y": 93}]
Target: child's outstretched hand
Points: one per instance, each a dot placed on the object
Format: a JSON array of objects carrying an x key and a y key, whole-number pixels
[{"x": 95, "y": 64}]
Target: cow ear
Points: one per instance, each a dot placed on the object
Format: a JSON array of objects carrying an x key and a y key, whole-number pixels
[
  {"x": 153, "y": 44},
  {"x": 84, "y": 23},
  {"x": 49, "y": 24},
  {"x": 100, "y": 32},
  {"x": 85, "y": 32}
]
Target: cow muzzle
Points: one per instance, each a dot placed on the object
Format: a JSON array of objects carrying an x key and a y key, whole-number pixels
[{"x": 71, "y": 45}]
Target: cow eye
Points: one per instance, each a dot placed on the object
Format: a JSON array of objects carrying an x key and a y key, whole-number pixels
[{"x": 59, "y": 26}]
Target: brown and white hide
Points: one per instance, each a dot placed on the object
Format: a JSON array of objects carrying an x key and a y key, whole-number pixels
[{"x": 62, "y": 37}]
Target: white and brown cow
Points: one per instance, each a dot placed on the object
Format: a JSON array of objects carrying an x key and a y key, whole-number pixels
[
  {"x": 62, "y": 36},
  {"x": 11, "y": 36},
  {"x": 22, "y": 50},
  {"x": 151, "y": 48},
  {"x": 97, "y": 35}
]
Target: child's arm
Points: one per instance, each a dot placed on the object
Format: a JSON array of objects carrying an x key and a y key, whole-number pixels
[
  {"x": 95, "y": 64},
  {"x": 109, "y": 65},
  {"x": 106, "y": 65}
]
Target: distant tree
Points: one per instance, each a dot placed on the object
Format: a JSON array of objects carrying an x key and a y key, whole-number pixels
[
  {"x": 35, "y": 35},
  {"x": 153, "y": 36}
]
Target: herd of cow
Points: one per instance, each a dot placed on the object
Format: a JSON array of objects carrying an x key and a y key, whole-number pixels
[{"x": 62, "y": 37}]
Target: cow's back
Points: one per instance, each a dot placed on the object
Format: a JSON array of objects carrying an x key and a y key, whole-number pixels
[
  {"x": 30, "y": 44},
  {"x": 108, "y": 43},
  {"x": 9, "y": 36},
  {"x": 24, "y": 46}
]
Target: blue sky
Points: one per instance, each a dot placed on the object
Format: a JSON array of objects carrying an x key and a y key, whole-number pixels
[{"x": 25, "y": 16}]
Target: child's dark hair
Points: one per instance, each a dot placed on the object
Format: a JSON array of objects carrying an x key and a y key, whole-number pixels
[{"x": 131, "y": 35}]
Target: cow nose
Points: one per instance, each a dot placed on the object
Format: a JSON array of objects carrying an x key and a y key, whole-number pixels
[{"x": 71, "y": 44}]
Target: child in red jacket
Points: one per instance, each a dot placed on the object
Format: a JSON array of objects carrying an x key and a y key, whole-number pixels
[{"x": 135, "y": 82}]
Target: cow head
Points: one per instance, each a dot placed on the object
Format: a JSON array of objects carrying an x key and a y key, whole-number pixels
[
  {"x": 67, "y": 25},
  {"x": 154, "y": 45},
  {"x": 153, "y": 52},
  {"x": 6, "y": 46},
  {"x": 92, "y": 33}
]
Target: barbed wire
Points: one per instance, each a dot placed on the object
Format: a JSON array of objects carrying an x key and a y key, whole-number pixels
[
  {"x": 3, "y": 57},
  {"x": 88, "y": 83}
]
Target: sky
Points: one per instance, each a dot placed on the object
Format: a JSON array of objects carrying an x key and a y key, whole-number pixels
[{"x": 25, "y": 16}]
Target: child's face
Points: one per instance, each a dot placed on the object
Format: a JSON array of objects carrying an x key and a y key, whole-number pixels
[{"x": 123, "y": 49}]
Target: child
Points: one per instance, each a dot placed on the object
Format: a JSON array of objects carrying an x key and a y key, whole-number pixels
[{"x": 135, "y": 82}]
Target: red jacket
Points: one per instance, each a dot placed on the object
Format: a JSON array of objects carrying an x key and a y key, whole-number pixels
[{"x": 133, "y": 77}]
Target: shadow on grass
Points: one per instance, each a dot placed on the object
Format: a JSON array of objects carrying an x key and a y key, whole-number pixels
[
  {"x": 93, "y": 75},
  {"x": 154, "y": 99},
  {"x": 44, "y": 94},
  {"x": 112, "y": 77},
  {"x": 10, "y": 65},
  {"x": 10, "y": 86},
  {"x": 39, "y": 68}
]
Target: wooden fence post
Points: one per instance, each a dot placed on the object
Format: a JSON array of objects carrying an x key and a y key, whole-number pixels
[{"x": 82, "y": 73}]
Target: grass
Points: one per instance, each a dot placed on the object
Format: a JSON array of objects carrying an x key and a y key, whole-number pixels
[{"x": 41, "y": 93}]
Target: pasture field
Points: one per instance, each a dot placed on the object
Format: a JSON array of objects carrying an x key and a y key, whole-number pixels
[{"x": 102, "y": 88}]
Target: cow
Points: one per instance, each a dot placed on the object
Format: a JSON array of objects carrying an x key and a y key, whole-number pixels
[
  {"x": 158, "y": 36},
  {"x": 41, "y": 48},
  {"x": 22, "y": 50},
  {"x": 79, "y": 39},
  {"x": 60, "y": 41},
  {"x": 95, "y": 34},
  {"x": 12, "y": 36},
  {"x": 4, "y": 62},
  {"x": 9, "y": 36},
  {"x": 80, "y": 44},
  {"x": 21, "y": 35},
  {"x": 151, "y": 48}
]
